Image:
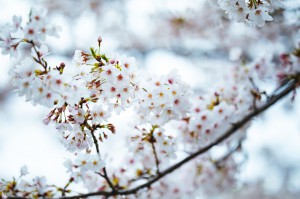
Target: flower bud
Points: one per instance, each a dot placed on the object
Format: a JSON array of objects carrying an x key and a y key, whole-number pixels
[{"x": 99, "y": 40}]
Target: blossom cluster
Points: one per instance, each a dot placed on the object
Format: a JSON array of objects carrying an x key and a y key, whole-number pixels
[
  {"x": 252, "y": 12},
  {"x": 145, "y": 140},
  {"x": 226, "y": 102},
  {"x": 165, "y": 98},
  {"x": 37, "y": 188},
  {"x": 290, "y": 65},
  {"x": 82, "y": 97},
  {"x": 84, "y": 163},
  {"x": 36, "y": 30}
]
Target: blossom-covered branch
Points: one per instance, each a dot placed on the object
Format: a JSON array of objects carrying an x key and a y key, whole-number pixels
[{"x": 284, "y": 91}]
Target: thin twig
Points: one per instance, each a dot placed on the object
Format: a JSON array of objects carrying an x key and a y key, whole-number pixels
[
  {"x": 152, "y": 140},
  {"x": 64, "y": 190},
  {"x": 156, "y": 157},
  {"x": 105, "y": 176},
  {"x": 219, "y": 162},
  {"x": 39, "y": 60},
  {"x": 95, "y": 142}
]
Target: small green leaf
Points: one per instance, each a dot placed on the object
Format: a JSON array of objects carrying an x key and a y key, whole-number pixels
[
  {"x": 103, "y": 56},
  {"x": 93, "y": 52}
]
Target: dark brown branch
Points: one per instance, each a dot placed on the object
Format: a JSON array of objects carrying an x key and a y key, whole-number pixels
[
  {"x": 286, "y": 89},
  {"x": 95, "y": 142},
  {"x": 152, "y": 140},
  {"x": 64, "y": 190},
  {"x": 38, "y": 60},
  {"x": 105, "y": 176},
  {"x": 156, "y": 157}
]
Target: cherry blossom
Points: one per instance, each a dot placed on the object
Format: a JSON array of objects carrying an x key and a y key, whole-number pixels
[
  {"x": 252, "y": 12},
  {"x": 170, "y": 124},
  {"x": 259, "y": 15}
]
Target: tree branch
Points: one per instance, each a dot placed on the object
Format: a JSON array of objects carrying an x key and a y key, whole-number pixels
[
  {"x": 152, "y": 140},
  {"x": 105, "y": 176},
  {"x": 156, "y": 158},
  {"x": 282, "y": 92}
]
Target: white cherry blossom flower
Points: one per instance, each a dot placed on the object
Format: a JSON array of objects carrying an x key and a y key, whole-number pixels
[
  {"x": 100, "y": 114},
  {"x": 43, "y": 51},
  {"x": 16, "y": 23},
  {"x": 78, "y": 58},
  {"x": 260, "y": 15}
]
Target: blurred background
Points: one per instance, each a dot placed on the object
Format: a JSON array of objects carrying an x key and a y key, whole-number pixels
[{"x": 193, "y": 36}]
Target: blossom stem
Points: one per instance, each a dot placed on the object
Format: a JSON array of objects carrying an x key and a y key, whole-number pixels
[
  {"x": 152, "y": 140},
  {"x": 109, "y": 181},
  {"x": 155, "y": 156},
  {"x": 219, "y": 162},
  {"x": 105, "y": 176},
  {"x": 39, "y": 60},
  {"x": 95, "y": 142}
]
